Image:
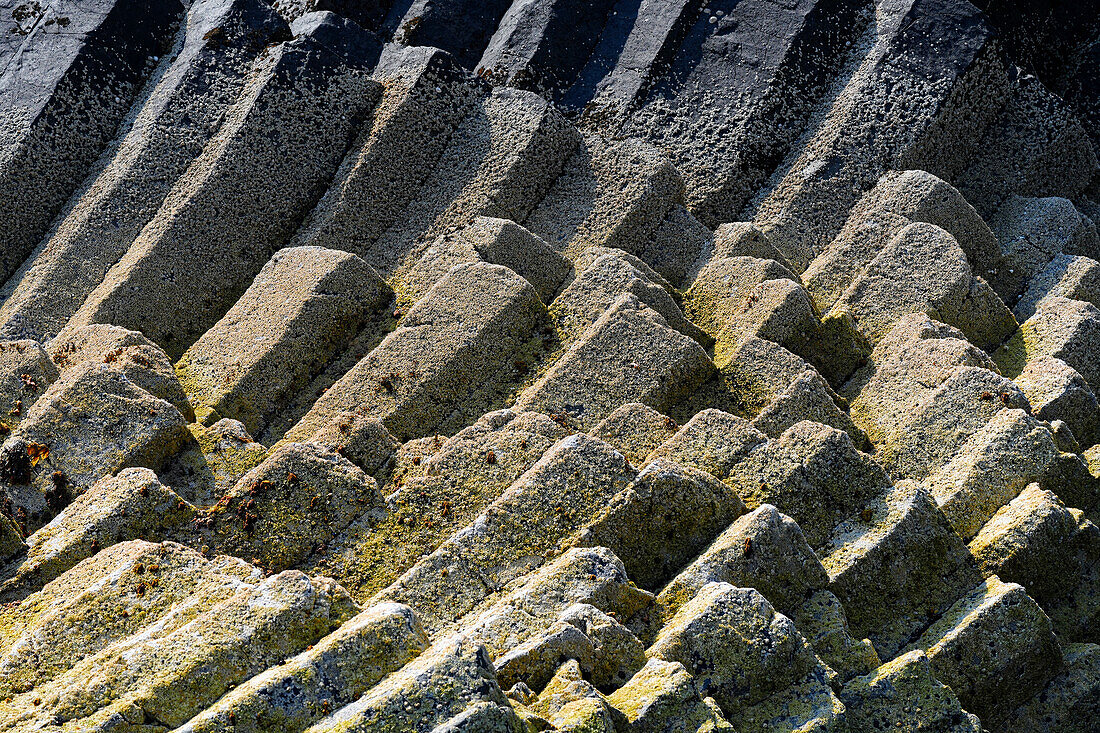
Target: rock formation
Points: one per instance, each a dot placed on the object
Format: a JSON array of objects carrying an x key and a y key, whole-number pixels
[{"x": 619, "y": 366}]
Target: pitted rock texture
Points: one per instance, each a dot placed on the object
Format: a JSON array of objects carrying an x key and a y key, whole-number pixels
[{"x": 506, "y": 366}]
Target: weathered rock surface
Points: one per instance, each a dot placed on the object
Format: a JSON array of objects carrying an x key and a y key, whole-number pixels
[
  {"x": 1068, "y": 702},
  {"x": 1061, "y": 328},
  {"x": 431, "y": 497},
  {"x": 300, "y": 497},
  {"x": 664, "y": 698},
  {"x": 317, "y": 299},
  {"x": 764, "y": 550},
  {"x": 734, "y": 642},
  {"x": 288, "y": 131},
  {"x": 528, "y": 365},
  {"x": 1030, "y": 536},
  {"x": 88, "y": 425},
  {"x": 516, "y": 533},
  {"x": 27, "y": 372},
  {"x": 207, "y": 70},
  {"x": 866, "y": 551},
  {"x": 1057, "y": 391},
  {"x": 663, "y": 520},
  {"x": 904, "y": 695},
  {"x": 137, "y": 358},
  {"x": 70, "y": 73},
  {"x": 629, "y": 353},
  {"x": 993, "y": 671},
  {"x": 433, "y": 363},
  {"x": 991, "y": 468},
  {"x": 635, "y": 430},
  {"x": 131, "y": 505},
  {"x": 332, "y": 673},
  {"x": 234, "y": 639}
]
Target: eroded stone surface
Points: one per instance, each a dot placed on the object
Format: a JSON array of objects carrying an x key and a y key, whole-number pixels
[
  {"x": 304, "y": 305},
  {"x": 764, "y": 550},
  {"x": 663, "y": 520},
  {"x": 663, "y": 697},
  {"x": 664, "y": 324},
  {"x": 475, "y": 320},
  {"x": 333, "y": 672},
  {"x": 629, "y": 353},
  {"x": 735, "y": 643},
  {"x": 52, "y": 457},
  {"x": 863, "y": 558},
  {"x": 132, "y": 505},
  {"x": 993, "y": 671},
  {"x": 1037, "y": 542},
  {"x": 904, "y": 695}
]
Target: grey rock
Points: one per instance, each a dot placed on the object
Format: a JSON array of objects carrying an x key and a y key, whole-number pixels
[
  {"x": 664, "y": 698},
  {"x": 898, "y": 569},
  {"x": 362, "y": 440},
  {"x": 439, "y": 684},
  {"x": 1033, "y": 129},
  {"x": 1032, "y": 232},
  {"x": 1068, "y": 703},
  {"x": 1066, "y": 276},
  {"x": 812, "y": 473},
  {"x": 605, "y": 275},
  {"x": 70, "y": 74},
  {"x": 663, "y": 520},
  {"x": 687, "y": 64},
  {"x": 1062, "y": 328},
  {"x": 602, "y": 369},
  {"x": 822, "y": 622},
  {"x": 635, "y": 430},
  {"x": 425, "y": 97},
  {"x": 128, "y": 352},
  {"x": 26, "y": 371},
  {"x": 432, "y": 495},
  {"x": 735, "y": 643},
  {"x": 132, "y": 505},
  {"x": 543, "y": 46},
  {"x": 904, "y": 695},
  {"x": 990, "y": 670},
  {"x": 711, "y": 441},
  {"x": 232, "y": 641},
  {"x": 909, "y": 105},
  {"x": 1056, "y": 391},
  {"x": 178, "y": 278},
  {"x": 83, "y": 613},
  {"x": 991, "y": 468},
  {"x": 923, "y": 269},
  {"x": 808, "y": 397},
  {"x": 607, "y": 652},
  {"x": 898, "y": 199},
  {"x": 304, "y": 306},
  {"x": 302, "y": 495},
  {"x": 461, "y": 28},
  {"x": 504, "y": 242},
  {"x": 764, "y": 550},
  {"x": 591, "y": 577},
  {"x": 611, "y": 193},
  {"x": 192, "y": 89},
  {"x": 447, "y": 349},
  {"x": 1035, "y": 541},
  {"x": 516, "y": 533},
  {"x": 332, "y": 673},
  {"x": 88, "y": 425}
]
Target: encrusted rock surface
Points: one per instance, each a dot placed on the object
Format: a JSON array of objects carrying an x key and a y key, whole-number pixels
[{"x": 507, "y": 366}]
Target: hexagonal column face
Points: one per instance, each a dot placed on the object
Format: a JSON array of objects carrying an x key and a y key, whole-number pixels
[
  {"x": 71, "y": 71},
  {"x": 244, "y": 196}
]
